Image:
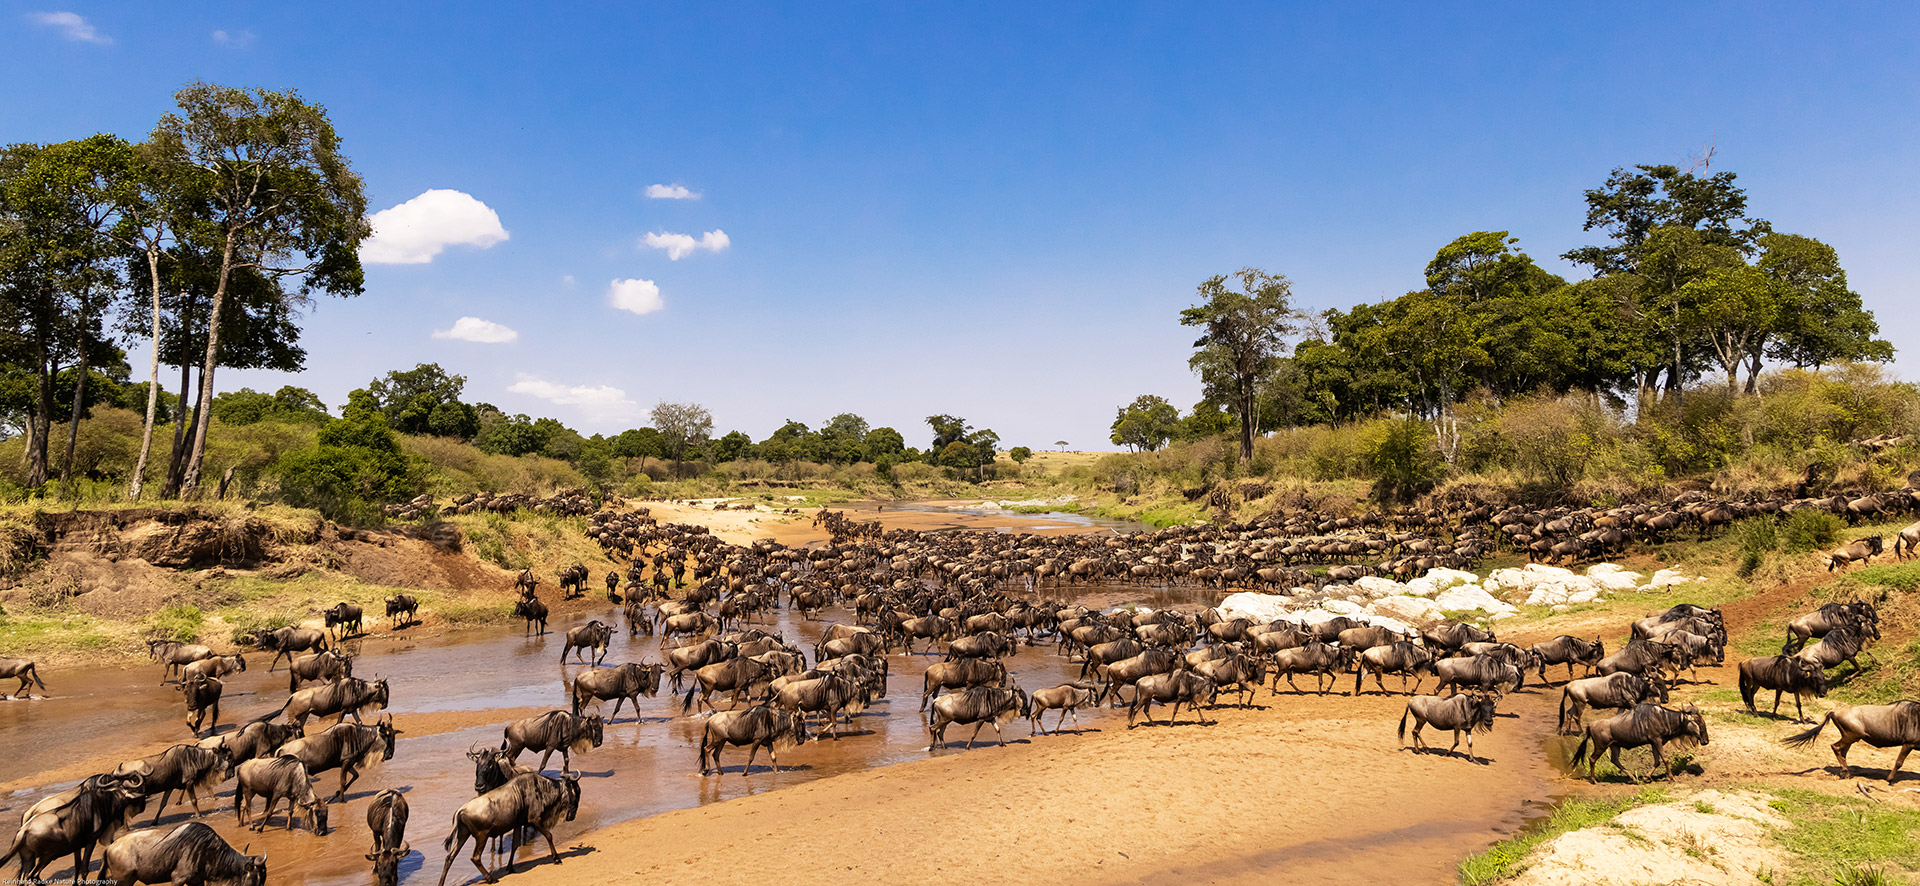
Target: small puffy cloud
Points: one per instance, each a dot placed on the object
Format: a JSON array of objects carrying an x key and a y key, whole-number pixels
[
  {"x": 415, "y": 231},
  {"x": 475, "y": 329},
  {"x": 594, "y": 401},
  {"x": 679, "y": 246},
  {"x": 71, "y": 26},
  {"x": 235, "y": 39},
  {"x": 566, "y": 279},
  {"x": 670, "y": 192},
  {"x": 638, "y": 296}
]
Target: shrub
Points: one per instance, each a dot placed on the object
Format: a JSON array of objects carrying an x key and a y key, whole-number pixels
[
  {"x": 1405, "y": 465},
  {"x": 179, "y": 623},
  {"x": 1810, "y": 530},
  {"x": 1758, "y": 537}
]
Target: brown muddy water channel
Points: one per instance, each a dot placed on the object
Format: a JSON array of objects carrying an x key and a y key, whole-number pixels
[{"x": 647, "y": 766}]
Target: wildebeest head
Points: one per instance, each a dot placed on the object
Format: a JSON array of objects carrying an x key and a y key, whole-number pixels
[
  {"x": 316, "y": 817},
  {"x": 1809, "y": 674},
  {"x": 570, "y": 793},
  {"x": 256, "y": 871},
  {"x": 594, "y": 730},
  {"x": 386, "y": 731},
  {"x": 386, "y": 864},
  {"x": 1696, "y": 723}
]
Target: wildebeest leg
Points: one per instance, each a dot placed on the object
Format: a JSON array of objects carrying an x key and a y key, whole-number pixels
[
  {"x": 753, "y": 750},
  {"x": 348, "y": 775},
  {"x": 552, "y": 852},
  {"x": 1840, "y": 752},
  {"x": 997, "y": 733},
  {"x": 544, "y": 758},
  {"x": 976, "y": 734},
  {"x": 1615, "y": 753},
  {"x": 168, "y": 795},
  {"x": 1660, "y": 758},
  {"x": 1898, "y": 762}
]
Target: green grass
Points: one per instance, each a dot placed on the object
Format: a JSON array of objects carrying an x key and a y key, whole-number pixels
[
  {"x": 1507, "y": 857},
  {"x": 24, "y": 635},
  {"x": 179, "y": 622},
  {"x": 461, "y": 612},
  {"x": 1847, "y": 840},
  {"x": 1899, "y": 576}
]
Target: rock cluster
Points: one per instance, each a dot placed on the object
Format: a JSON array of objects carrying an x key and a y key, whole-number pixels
[{"x": 1448, "y": 593}]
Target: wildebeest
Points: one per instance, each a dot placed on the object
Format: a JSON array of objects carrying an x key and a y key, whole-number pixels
[
  {"x": 344, "y": 697},
  {"x": 216, "y": 666},
  {"x": 1839, "y": 645},
  {"x": 554, "y": 731},
  {"x": 1894, "y": 725},
  {"x": 1067, "y": 698},
  {"x": 1401, "y": 658},
  {"x": 619, "y": 684},
  {"x": 638, "y": 622},
  {"x": 1568, "y": 650},
  {"x": 960, "y": 675},
  {"x": 1323, "y": 660},
  {"x": 688, "y": 624},
  {"x": 72, "y": 823},
  {"x": 1130, "y": 671},
  {"x": 1469, "y": 713},
  {"x": 402, "y": 610},
  {"x": 1907, "y": 542},
  {"x": 318, "y": 667},
  {"x": 1864, "y": 549},
  {"x": 1242, "y": 672},
  {"x": 982, "y": 645},
  {"x": 737, "y": 676},
  {"x": 187, "y": 768},
  {"x": 23, "y": 670},
  {"x": 175, "y": 655},
  {"x": 681, "y": 659},
  {"x": 1645, "y": 724},
  {"x": 1857, "y": 615},
  {"x": 387, "y": 820},
  {"x": 348, "y": 747},
  {"x": 830, "y": 694},
  {"x": 286, "y": 641},
  {"x": 573, "y": 581},
  {"x": 203, "y": 697},
  {"x": 1366, "y": 637},
  {"x": 591, "y": 638},
  {"x": 930, "y": 627},
  {"x": 1173, "y": 688},
  {"x": 526, "y": 583},
  {"x": 1100, "y": 655},
  {"x": 1782, "y": 673},
  {"x": 528, "y": 800},
  {"x": 1477, "y": 672},
  {"x": 1648, "y": 658},
  {"x": 978, "y": 705},
  {"x": 346, "y": 617},
  {"x": 275, "y": 778},
  {"x": 189, "y": 854},
  {"x": 252, "y": 740},
  {"x": 756, "y": 727},
  {"x": 535, "y": 613},
  {"x": 1615, "y": 691}
]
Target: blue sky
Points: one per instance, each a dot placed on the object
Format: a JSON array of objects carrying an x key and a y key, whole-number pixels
[{"x": 994, "y": 210}]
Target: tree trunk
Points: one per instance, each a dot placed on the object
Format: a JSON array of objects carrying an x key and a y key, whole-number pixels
[
  {"x": 42, "y": 425},
  {"x": 177, "y": 458},
  {"x": 1246, "y": 421},
  {"x": 190, "y": 479},
  {"x": 73, "y": 421},
  {"x": 153, "y": 381},
  {"x": 1753, "y": 373}
]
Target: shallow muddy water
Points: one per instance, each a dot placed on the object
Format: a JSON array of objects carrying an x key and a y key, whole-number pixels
[{"x": 457, "y": 690}]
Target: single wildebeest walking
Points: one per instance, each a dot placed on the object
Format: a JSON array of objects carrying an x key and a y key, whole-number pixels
[
  {"x": 1401, "y": 658},
  {"x": 189, "y": 854},
  {"x": 554, "y": 731},
  {"x": 1840, "y": 645},
  {"x": 830, "y": 694},
  {"x": 251, "y": 740},
  {"x": 1648, "y": 658},
  {"x": 1172, "y": 688},
  {"x": 344, "y": 697},
  {"x": 286, "y": 641},
  {"x": 216, "y": 666},
  {"x": 175, "y": 655},
  {"x": 960, "y": 675},
  {"x": 694, "y": 656},
  {"x": 982, "y": 645},
  {"x": 528, "y": 800},
  {"x": 1646, "y": 724},
  {"x": 23, "y": 670},
  {"x": 275, "y": 778},
  {"x": 1613, "y": 691},
  {"x": 1568, "y": 650},
  {"x": 203, "y": 698},
  {"x": 1863, "y": 549},
  {"x": 187, "y": 768},
  {"x": 978, "y": 705},
  {"x": 1782, "y": 673},
  {"x": 591, "y": 638},
  {"x": 1858, "y": 616},
  {"x": 1483, "y": 672},
  {"x": 1324, "y": 661},
  {"x": 1242, "y": 672},
  {"x": 402, "y": 610},
  {"x": 1451, "y": 636},
  {"x": 1894, "y": 725},
  {"x": 535, "y": 613},
  {"x": 756, "y": 727},
  {"x": 348, "y": 747},
  {"x": 1067, "y": 698},
  {"x": 387, "y": 820},
  {"x": 346, "y": 617},
  {"x": 736, "y": 676},
  {"x": 619, "y": 684},
  {"x": 1468, "y": 713},
  {"x": 73, "y": 823},
  {"x": 318, "y": 667}
]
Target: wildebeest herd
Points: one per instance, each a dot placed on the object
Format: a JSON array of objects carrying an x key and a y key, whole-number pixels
[{"x": 972, "y": 599}]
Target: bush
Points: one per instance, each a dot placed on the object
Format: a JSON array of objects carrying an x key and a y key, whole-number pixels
[
  {"x": 1405, "y": 465},
  {"x": 1811, "y": 530},
  {"x": 248, "y": 622},
  {"x": 1758, "y": 537},
  {"x": 179, "y": 623}
]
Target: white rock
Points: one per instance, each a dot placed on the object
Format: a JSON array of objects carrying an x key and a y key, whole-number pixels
[
  {"x": 1467, "y": 598},
  {"x": 1587, "y": 596},
  {"x": 1667, "y": 578},
  {"x": 1261, "y": 608},
  {"x": 1439, "y": 578},
  {"x": 1342, "y": 607},
  {"x": 1379, "y": 586},
  {"x": 1405, "y": 608},
  {"x": 1388, "y": 622},
  {"x": 1613, "y": 577}
]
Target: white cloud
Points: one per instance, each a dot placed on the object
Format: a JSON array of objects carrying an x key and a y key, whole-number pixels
[
  {"x": 415, "y": 231},
  {"x": 566, "y": 279},
  {"x": 638, "y": 296},
  {"x": 679, "y": 246},
  {"x": 475, "y": 329},
  {"x": 71, "y": 26},
  {"x": 596, "y": 402},
  {"x": 235, "y": 39},
  {"x": 670, "y": 192}
]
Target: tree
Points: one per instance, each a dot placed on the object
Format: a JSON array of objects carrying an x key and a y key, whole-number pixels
[
  {"x": 1242, "y": 333},
  {"x": 734, "y": 446},
  {"x": 1632, "y": 205},
  {"x": 883, "y": 443},
  {"x": 1734, "y": 308},
  {"x": 681, "y": 425},
  {"x": 1821, "y": 321},
  {"x": 153, "y": 203},
  {"x": 1019, "y": 454},
  {"x": 354, "y": 463},
  {"x": 280, "y": 199},
  {"x": 1062, "y": 444},
  {"x": 947, "y": 429},
  {"x": 1146, "y": 424},
  {"x": 640, "y": 443},
  {"x": 843, "y": 439},
  {"x": 414, "y": 398},
  {"x": 247, "y": 406}
]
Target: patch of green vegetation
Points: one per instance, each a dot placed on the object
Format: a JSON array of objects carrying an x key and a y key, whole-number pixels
[
  {"x": 24, "y": 635},
  {"x": 1846, "y": 840},
  {"x": 1811, "y": 530},
  {"x": 1507, "y": 857},
  {"x": 460, "y": 612},
  {"x": 1899, "y": 576},
  {"x": 246, "y": 621},
  {"x": 179, "y": 622},
  {"x": 1889, "y": 674}
]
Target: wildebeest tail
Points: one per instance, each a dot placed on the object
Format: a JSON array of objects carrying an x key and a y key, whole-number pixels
[
  {"x": 686, "y": 704},
  {"x": 1802, "y": 739},
  {"x": 263, "y": 718},
  {"x": 1580, "y": 753},
  {"x": 1403, "y": 722},
  {"x": 1748, "y": 688},
  {"x": 34, "y": 672}
]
